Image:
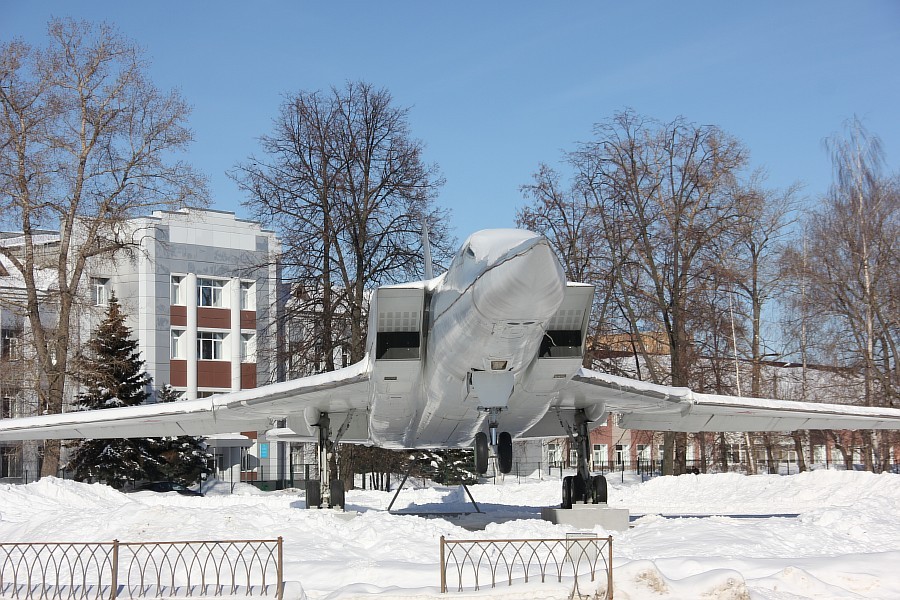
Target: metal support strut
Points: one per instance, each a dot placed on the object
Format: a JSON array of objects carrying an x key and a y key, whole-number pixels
[
  {"x": 328, "y": 492},
  {"x": 325, "y": 450}
]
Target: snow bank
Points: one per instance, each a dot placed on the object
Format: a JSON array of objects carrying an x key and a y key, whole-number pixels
[{"x": 845, "y": 543}]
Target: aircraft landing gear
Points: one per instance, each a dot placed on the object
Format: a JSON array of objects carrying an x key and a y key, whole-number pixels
[
  {"x": 500, "y": 441},
  {"x": 582, "y": 487},
  {"x": 575, "y": 490},
  {"x": 328, "y": 492},
  {"x": 503, "y": 451}
]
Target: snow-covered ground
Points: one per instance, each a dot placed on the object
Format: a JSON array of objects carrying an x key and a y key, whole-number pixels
[{"x": 845, "y": 543}]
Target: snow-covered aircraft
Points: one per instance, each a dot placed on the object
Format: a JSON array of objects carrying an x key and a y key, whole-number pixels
[{"x": 487, "y": 352}]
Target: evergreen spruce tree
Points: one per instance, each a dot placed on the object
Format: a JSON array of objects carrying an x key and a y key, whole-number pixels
[
  {"x": 450, "y": 466},
  {"x": 184, "y": 458},
  {"x": 112, "y": 374}
]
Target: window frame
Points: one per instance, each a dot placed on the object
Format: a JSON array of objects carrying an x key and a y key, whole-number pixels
[
  {"x": 248, "y": 295},
  {"x": 214, "y": 342},
  {"x": 177, "y": 344},
  {"x": 100, "y": 291},
  {"x": 216, "y": 288},
  {"x": 176, "y": 290},
  {"x": 248, "y": 347}
]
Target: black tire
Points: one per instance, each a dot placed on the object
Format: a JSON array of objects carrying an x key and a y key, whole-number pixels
[
  {"x": 505, "y": 452},
  {"x": 598, "y": 489},
  {"x": 337, "y": 493},
  {"x": 481, "y": 453},
  {"x": 566, "y": 493},
  {"x": 313, "y": 493},
  {"x": 579, "y": 491}
]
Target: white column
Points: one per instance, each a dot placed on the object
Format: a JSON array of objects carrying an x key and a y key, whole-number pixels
[
  {"x": 235, "y": 333},
  {"x": 190, "y": 301}
]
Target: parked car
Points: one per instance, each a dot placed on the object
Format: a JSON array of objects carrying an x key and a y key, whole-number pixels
[{"x": 167, "y": 486}]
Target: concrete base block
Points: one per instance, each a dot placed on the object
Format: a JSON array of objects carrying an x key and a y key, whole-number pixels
[
  {"x": 340, "y": 513},
  {"x": 588, "y": 516}
]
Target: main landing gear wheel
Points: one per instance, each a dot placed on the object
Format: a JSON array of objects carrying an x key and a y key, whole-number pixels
[
  {"x": 481, "y": 453},
  {"x": 337, "y": 493},
  {"x": 505, "y": 452},
  {"x": 313, "y": 493},
  {"x": 598, "y": 489},
  {"x": 567, "y": 492},
  {"x": 573, "y": 491}
]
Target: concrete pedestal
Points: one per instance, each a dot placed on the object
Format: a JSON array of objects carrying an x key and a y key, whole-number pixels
[{"x": 588, "y": 516}]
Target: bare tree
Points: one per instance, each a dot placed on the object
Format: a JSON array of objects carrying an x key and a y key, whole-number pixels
[
  {"x": 86, "y": 141},
  {"x": 759, "y": 238},
  {"x": 666, "y": 188},
  {"x": 570, "y": 221},
  {"x": 347, "y": 187},
  {"x": 851, "y": 270}
]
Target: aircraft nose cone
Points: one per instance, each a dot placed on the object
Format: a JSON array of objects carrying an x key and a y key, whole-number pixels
[{"x": 527, "y": 285}]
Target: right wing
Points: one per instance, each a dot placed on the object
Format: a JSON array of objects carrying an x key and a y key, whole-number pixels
[
  {"x": 664, "y": 408},
  {"x": 344, "y": 391},
  {"x": 650, "y": 407}
]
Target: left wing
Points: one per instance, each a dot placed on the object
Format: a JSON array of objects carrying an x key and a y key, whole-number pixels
[
  {"x": 339, "y": 392},
  {"x": 664, "y": 408}
]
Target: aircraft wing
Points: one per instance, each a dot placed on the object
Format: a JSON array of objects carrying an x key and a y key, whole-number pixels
[
  {"x": 663, "y": 408},
  {"x": 340, "y": 391}
]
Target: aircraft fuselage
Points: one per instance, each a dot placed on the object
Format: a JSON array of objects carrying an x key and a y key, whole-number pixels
[{"x": 485, "y": 344}]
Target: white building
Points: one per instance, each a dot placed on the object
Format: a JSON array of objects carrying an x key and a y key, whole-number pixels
[{"x": 200, "y": 293}]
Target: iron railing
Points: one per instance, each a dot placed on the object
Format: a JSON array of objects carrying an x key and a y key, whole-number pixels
[
  {"x": 95, "y": 571},
  {"x": 474, "y": 563}
]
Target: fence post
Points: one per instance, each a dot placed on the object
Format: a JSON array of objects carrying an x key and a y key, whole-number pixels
[
  {"x": 115, "y": 571},
  {"x": 609, "y": 577},
  {"x": 279, "y": 594},
  {"x": 443, "y": 569}
]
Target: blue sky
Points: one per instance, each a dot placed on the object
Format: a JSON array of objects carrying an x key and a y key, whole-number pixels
[{"x": 496, "y": 88}]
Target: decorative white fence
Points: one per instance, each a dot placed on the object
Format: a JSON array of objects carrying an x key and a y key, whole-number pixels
[
  {"x": 475, "y": 564},
  {"x": 111, "y": 570}
]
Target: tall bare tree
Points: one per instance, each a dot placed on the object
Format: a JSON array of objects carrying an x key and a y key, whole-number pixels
[
  {"x": 347, "y": 186},
  {"x": 755, "y": 277},
  {"x": 86, "y": 141},
  {"x": 851, "y": 269},
  {"x": 570, "y": 221},
  {"x": 658, "y": 199}
]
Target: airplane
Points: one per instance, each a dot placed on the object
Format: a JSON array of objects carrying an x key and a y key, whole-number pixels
[{"x": 489, "y": 351}]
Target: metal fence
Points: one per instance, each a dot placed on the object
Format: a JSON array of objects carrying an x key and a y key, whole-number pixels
[
  {"x": 475, "y": 563},
  {"x": 89, "y": 571}
]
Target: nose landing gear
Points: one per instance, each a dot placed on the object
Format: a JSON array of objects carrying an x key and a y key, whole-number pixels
[{"x": 500, "y": 441}]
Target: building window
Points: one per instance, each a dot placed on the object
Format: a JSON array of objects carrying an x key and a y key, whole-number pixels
[
  {"x": 620, "y": 454},
  {"x": 643, "y": 452},
  {"x": 248, "y": 295},
  {"x": 11, "y": 344},
  {"x": 100, "y": 291},
  {"x": 178, "y": 289},
  {"x": 554, "y": 454},
  {"x": 209, "y": 292},
  {"x": 210, "y": 345},
  {"x": 7, "y": 407},
  {"x": 248, "y": 347},
  {"x": 601, "y": 455},
  {"x": 178, "y": 344}
]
